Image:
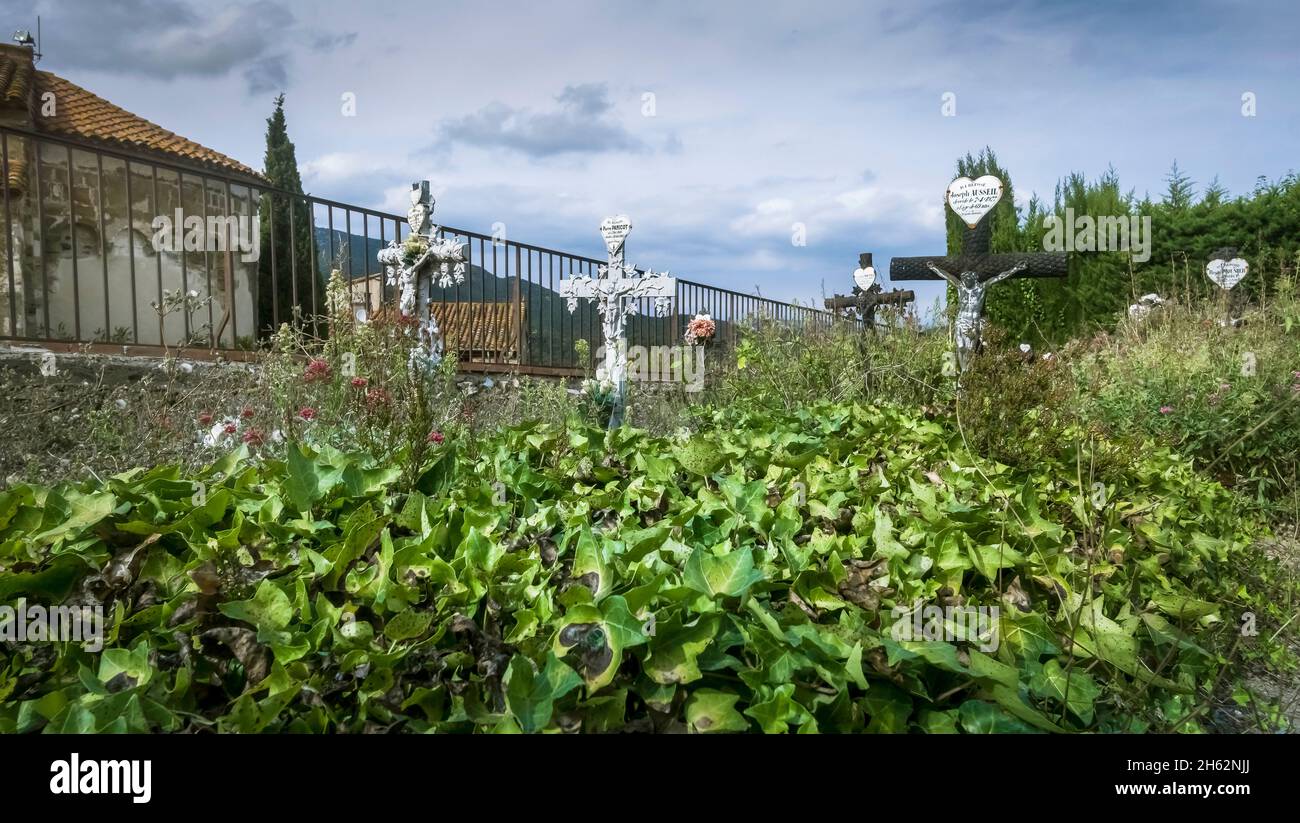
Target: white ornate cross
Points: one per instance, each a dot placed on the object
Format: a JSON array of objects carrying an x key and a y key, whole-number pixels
[
  {"x": 431, "y": 257},
  {"x": 616, "y": 290}
]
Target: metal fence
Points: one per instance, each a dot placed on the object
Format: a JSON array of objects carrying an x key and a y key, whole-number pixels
[{"x": 106, "y": 251}]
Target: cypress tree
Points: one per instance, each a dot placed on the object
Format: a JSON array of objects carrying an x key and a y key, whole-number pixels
[{"x": 292, "y": 254}]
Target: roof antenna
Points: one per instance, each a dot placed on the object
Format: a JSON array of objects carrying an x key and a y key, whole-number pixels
[{"x": 24, "y": 38}]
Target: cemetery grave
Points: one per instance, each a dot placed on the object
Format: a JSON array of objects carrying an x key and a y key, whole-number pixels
[
  {"x": 975, "y": 269},
  {"x": 868, "y": 296}
]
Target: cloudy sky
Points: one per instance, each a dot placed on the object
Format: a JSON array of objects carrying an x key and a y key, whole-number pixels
[{"x": 717, "y": 126}]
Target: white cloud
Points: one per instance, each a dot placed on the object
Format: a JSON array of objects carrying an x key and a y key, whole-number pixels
[
  {"x": 341, "y": 165},
  {"x": 760, "y": 121}
]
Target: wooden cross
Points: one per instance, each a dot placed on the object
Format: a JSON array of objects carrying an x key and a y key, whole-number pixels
[
  {"x": 866, "y": 301},
  {"x": 973, "y": 271},
  {"x": 615, "y": 291}
]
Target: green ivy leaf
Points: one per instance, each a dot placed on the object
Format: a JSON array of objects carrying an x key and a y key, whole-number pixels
[
  {"x": 531, "y": 695},
  {"x": 269, "y": 608},
  {"x": 710, "y": 710},
  {"x": 727, "y": 575}
]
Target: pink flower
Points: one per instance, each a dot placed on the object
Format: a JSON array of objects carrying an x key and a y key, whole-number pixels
[
  {"x": 1166, "y": 409},
  {"x": 376, "y": 398},
  {"x": 307, "y": 413},
  {"x": 230, "y": 428},
  {"x": 700, "y": 328},
  {"x": 254, "y": 436},
  {"x": 436, "y": 438},
  {"x": 246, "y": 412},
  {"x": 317, "y": 369},
  {"x": 359, "y": 382},
  {"x": 205, "y": 418}
]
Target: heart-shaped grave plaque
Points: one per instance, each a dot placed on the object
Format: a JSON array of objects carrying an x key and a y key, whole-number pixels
[
  {"x": 1227, "y": 273},
  {"x": 615, "y": 230},
  {"x": 865, "y": 278},
  {"x": 972, "y": 199}
]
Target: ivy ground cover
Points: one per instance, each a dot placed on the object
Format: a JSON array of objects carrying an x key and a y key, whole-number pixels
[{"x": 752, "y": 577}]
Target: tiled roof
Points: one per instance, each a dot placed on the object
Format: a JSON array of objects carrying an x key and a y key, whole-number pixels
[
  {"x": 79, "y": 113},
  {"x": 15, "y": 81}
]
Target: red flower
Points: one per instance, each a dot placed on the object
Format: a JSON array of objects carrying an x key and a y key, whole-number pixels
[
  {"x": 254, "y": 436},
  {"x": 436, "y": 438},
  {"x": 317, "y": 369},
  {"x": 376, "y": 398},
  {"x": 230, "y": 428},
  {"x": 205, "y": 418},
  {"x": 359, "y": 382},
  {"x": 246, "y": 412},
  {"x": 307, "y": 413}
]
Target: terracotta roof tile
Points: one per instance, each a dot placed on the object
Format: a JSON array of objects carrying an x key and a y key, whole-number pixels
[
  {"x": 15, "y": 80},
  {"x": 79, "y": 113},
  {"x": 17, "y": 174}
]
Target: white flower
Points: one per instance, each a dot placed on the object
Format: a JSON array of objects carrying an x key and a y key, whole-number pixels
[{"x": 217, "y": 434}]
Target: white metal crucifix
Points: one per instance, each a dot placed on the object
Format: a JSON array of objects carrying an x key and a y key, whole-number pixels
[
  {"x": 616, "y": 290},
  {"x": 413, "y": 266}
]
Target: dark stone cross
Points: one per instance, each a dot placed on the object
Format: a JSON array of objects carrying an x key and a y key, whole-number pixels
[
  {"x": 971, "y": 273},
  {"x": 866, "y": 302}
]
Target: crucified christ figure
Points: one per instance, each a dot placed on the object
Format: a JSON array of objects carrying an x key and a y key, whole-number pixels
[
  {"x": 977, "y": 268},
  {"x": 971, "y": 293}
]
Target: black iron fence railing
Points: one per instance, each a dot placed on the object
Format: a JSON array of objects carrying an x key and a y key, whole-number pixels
[{"x": 111, "y": 251}]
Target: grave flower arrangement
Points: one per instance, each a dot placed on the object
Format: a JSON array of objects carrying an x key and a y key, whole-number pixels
[
  {"x": 700, "y": 330},
  {"x": 597, "y": 399}
]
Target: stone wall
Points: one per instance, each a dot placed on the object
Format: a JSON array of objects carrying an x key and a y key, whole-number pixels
[{"x": 64, "y": 416}]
